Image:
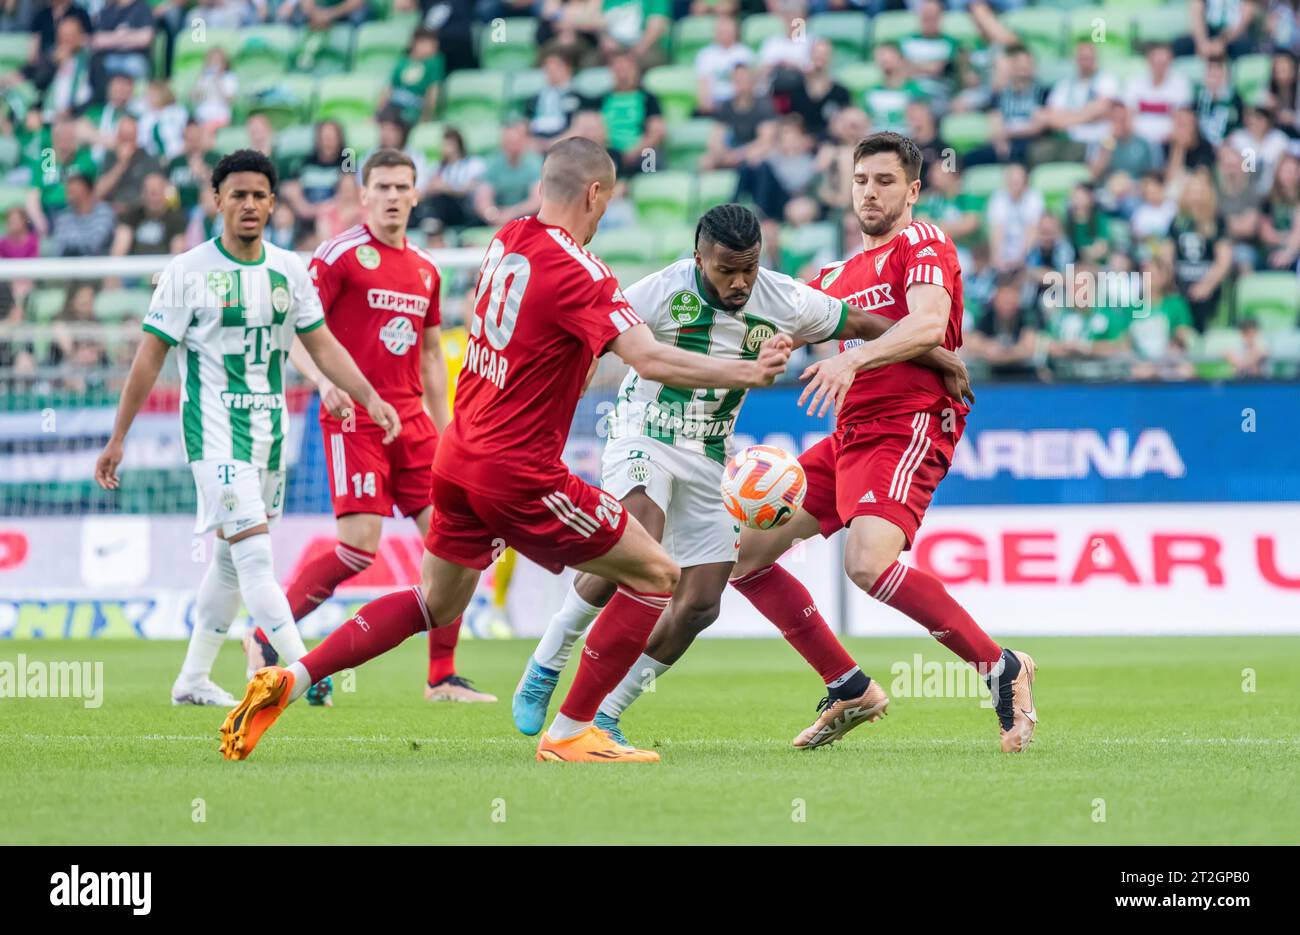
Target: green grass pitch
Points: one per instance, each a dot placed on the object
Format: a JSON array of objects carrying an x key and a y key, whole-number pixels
[{"x": 1158, "y": 737}]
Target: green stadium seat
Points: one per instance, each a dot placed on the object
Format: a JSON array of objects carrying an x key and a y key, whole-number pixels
[
  {"x": 623, "y": 245},
  {"x": 675, "y": 86},
  {"x": 1190, "y": 67},
  {"x": 13, "y": 50},
  {"x": 982, "y": 181},
  {"x": 482, "y": 135},
  {"x": 629, "y": 273},
  {"x": 593, "y": 83},
  {"x": 471, "y": 95},
  {"x": 264, "y": 50},
  {"x": 847, "y": 33},
  {"x": 192, "y": 49},
  {"x": 476, "y": 237},
  {"x": 116, "y": 304},
  {"x": 1219, "y": 342},
  {"x": 802, "y": 245},
  {"x": 508, "y": 44},
  {"x": 1112, "y": 27},
  {"x": 327, "y": 53},
  {"x": 687, "y": 141},
  {"x": 1271, "y": 298},
  {"x": 1250, "y": 75},
  {"x": 715, "y": 188},
  {"x": 1162, "y": 23},
  {"x": 857, "y": 77},
  {"x": 893, "y": 26},
  {"x": 348, "y": 97},
  {"x": 674, "y": 241},
  {"x": 10, "y": 153},
  {"x": 377, "y": 65},
  {"x": 1055, "y": 180},
  {"x": 1041, "y": 29},
  {"x": 362, "y": 137},
  {"x": 524, "y": 85},
  {"x": 230, "y": 138},
  {"x": 43, "y": 304},
  {"x": 383, "y": 40},
  {"x": 1135, "y": 4},
  {"x": 1125, "y": 69},
  {"x": 1214, "y": 371},
  {"x": 691, "y": 34},
  {"x": 285, "y": 99},
  {"x": 961, "y": 27},
  {"x": 759, "y": 26},
  {"x": 1284, "y": 351},
  {"x": 662, "y": 197},
  {"x": 294, "y": 142},
  {"x": 965, "y": 131},
  {"x": 427, "y": 138}
]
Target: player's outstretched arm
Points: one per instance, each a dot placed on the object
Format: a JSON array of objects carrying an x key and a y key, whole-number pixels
[
  {"x": 336, "y": 401},
  {"x": 145, "y": 368},
  {"x": 920, "y": 330},
  {"x": 870, "y": 325},
  {"x": 672, "y": 366},
  {"x": 433, "y": 372},
  {"x": 337, "y": 364}
]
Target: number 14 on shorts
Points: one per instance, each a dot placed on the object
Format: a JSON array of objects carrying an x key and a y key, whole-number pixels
[{"x": 363, "y": 485}]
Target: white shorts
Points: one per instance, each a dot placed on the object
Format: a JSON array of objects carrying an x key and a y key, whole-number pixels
[
  {"x": 235, "y": 495},
  {"x": 686, "y": 486}
]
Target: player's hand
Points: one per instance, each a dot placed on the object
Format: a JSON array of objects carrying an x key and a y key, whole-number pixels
[
  {"x": 772, "y": 359},
  {"x": 384, "y": 416},
  {"x": 828, "y": 383},
  {"x": 106, "y": 466},
  {"x": 956, "y": 380},
  {"x": 337, "y": 402}
]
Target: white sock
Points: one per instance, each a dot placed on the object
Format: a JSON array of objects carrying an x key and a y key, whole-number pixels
[
  {"x": 568, "y": 624},
  {"x": 640, "y": 677},
  {"x": 214, "y": 609},
  {"x": 562, "y": 728},
  {"x": 301, "y": 680},
  {"x": 265, "y": 601}
]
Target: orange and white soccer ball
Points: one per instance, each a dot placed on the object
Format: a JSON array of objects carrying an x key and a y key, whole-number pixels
[{"x": 763, "y": 486}]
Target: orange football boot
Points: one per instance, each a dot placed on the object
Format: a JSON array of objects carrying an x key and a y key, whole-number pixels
[
  {"x": 593, "y": 745},
  {"x": 267, "y": 695}
]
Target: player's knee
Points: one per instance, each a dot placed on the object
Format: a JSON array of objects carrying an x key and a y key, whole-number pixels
[
  {"x": 659, "y": 576},
  {"x": 696, "y": 615},
  {"x": 865, "y": 569}
]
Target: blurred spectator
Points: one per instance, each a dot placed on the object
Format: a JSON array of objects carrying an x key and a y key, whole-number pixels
[
  {"x": 205, "y": 221},
  {"x": 511, "y": 175},
  {"x": 152, "y": 226},
  {"x": 1122, "y": 150},
  {"x": 453, "y": 181},
  {"x": 191, "y": 169},
  {"x": 20, "y": 242},
  {"x": 70, "y": 82},
  {"x": 125, "y": 167},
  {"x": 1283, "y": 91},
  {"x": 632, "y": 117},
  {"x": 416, "y": 78},
  {"x": 1282, "y": 26},
  {"x": 1013, "y": 214},
  {"x": 1087, "y": 227},
  {"x": 1219, "y": 28},
  {"x": 716, "y": 63},
  {"x": 1199, "y": 253},
  {"x": 223, "y": 14},
  {"x": 886, "y": 101},
  {"x": 1155, "y": 95},
  {"x": 123, "y": 39},
  {"x": 1262, "y": 144},
  {"x": 835, "y": 158},
  {"x": 98, "y": 123},
  {"x": 818, "y": 97},
  {"x": 785, "y": 178},
  {"x": 1083, "y": 328},
  {"x": 550, "y": 110},
  {"x": 944, "y": 203},
  {"x": 1250, "y": 359},
  {"x": 570, "y": 27},
  {"x": 81, "y": 358},
  {"x": 1279, "y": 229},
  {"x": 283, "y": 228},
  {"x": 49, "y": 171},
  {"x": 1049, "y": 250},
  {"x": 1188, "y": 150},
  {"x": 1151, "y": 219},
  {"x": 743, "y": 130},
  {"x": 261, "y": 137},
  {"x": 923, "y": 128},
  {"x": 932, "y": 55},
  {"x": 45, "y": 26},
  {"x": 322, "y": 15},
  {"x": 1161, "y": 332},
  {"x": 394, "y": 133},
  {"x": 640, "y": 28},
  {"x": 314, "y": 180},
  {"x": 1239, "y": 205},
  {"x": 1218, "y": 105},
  {"x": 214, "y": 92},
  {"x": 1018, "y": 117},
  {"x": 162, "y": 122},
  {"x": 1007, "y": 334},
  {"x": 85, "y": 228},
  {"x": 783, "y": 57},
  {"x": 1079, "y": 106},
  {"x": 342, "y": 211}
]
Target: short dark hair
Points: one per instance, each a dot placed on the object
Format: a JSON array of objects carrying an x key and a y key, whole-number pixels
[
  {"x": 244, "y": 160},
  {"x": 732, "y": 226},
  {"x": 382, "y": 158},
  {"x": 888, "y": 141}
]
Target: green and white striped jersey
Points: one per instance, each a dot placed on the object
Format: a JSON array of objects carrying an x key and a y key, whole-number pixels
[
  {"x": 232, "y": 324},
  {"x": 672, "y": 303}
]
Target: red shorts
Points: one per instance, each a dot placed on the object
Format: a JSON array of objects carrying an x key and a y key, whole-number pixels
[
  {"x": 888, "y": 467},
  {"x": 367, "y": 476},
  {"x": 567, "y": 526}
]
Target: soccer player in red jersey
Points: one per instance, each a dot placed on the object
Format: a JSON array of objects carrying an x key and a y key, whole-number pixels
[
  {"x": 896, "y": 427},
  {"x": 544, "y": 310},
  {"x": 380, "y": 293}
]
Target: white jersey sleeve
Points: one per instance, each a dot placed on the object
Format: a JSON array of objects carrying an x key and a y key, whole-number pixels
[
  {"x": 646, "y": 296},
  {"x": 169, "y": 315},
  {"x": 308, "y": 314},
  {"x": 818, "y": 316}
]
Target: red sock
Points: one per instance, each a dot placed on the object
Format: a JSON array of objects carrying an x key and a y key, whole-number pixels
[
  {"x": 374, "y": 630},
  {"x": 616, "y": 639},
  {"x": 319, "y": 577},
  {"x": 923, "y": 598},
  {"x": 781, "y": 598},
  {"x": 442, "y": 651}
]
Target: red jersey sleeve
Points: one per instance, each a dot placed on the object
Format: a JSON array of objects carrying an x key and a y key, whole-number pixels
[
  {"x": 433, "y": 317},
  {"x": 603, "y": 317},
  {"x": 328, "y": 279},
  {"x": 929, "y": 257}
]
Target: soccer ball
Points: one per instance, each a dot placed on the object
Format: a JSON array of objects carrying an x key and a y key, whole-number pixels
[{"x": 763, "y": 486}]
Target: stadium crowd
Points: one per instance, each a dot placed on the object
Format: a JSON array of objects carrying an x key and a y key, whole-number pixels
[{"x": 1123, "y": 181}]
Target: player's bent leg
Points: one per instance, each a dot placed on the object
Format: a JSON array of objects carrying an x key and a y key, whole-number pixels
[
  {"x": 214, "y": 610},
  {"x": 762, "y": 547},
  {"x": 250, "y": 551}
]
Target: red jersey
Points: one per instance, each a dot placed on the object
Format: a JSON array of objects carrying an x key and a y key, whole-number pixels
[
  {"x": 378, "y": 302},
  {"x": 877, "y": 280},
  {"x": 544, "y": 309}
]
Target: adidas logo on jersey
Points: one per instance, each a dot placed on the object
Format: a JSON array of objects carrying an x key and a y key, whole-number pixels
[
  {"x": 868, "y": 497},
  {"x": 928, "y": 251}
]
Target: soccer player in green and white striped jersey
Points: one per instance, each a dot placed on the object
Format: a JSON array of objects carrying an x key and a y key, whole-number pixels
[
  {"x": 231, "y": 307},
  {"x": 668, "y": 445}
]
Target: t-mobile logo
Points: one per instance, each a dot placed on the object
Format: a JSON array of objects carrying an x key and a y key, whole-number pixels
[{"x": 102, "y": 889}]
